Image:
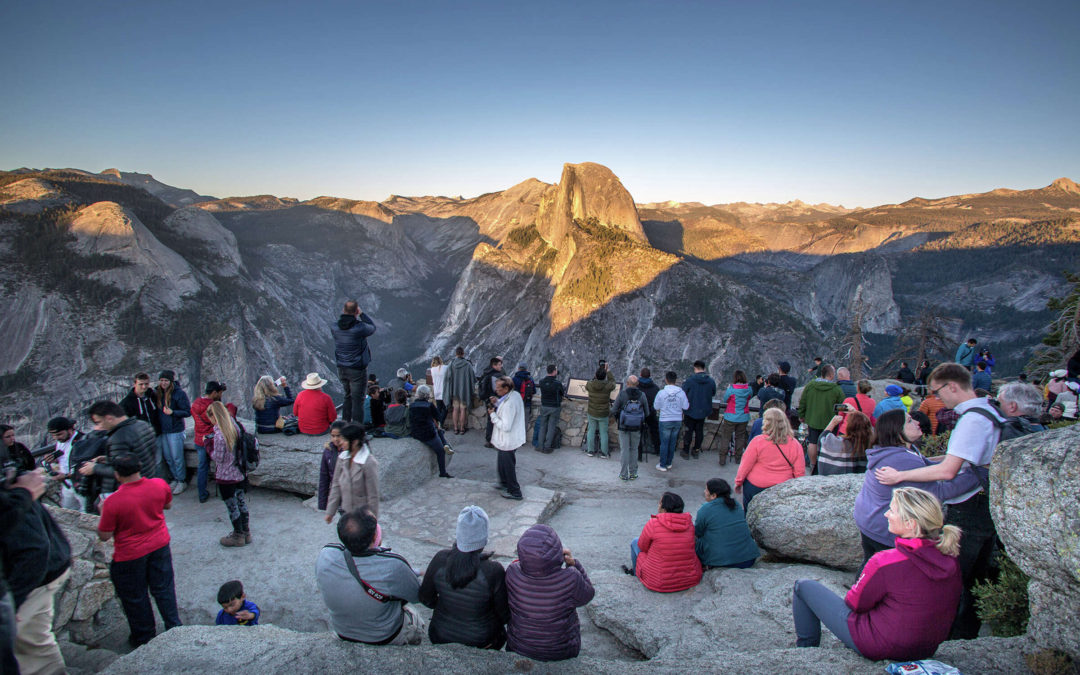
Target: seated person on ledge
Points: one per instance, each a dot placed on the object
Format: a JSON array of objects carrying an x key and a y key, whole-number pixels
[
  {"x": 367, "y": 588},
  {"x": 903, "y": 605},
  {"x": 663, "y": 555},
  {"x": 722, "y": 536},
  {"x": 397, "y": 416}
]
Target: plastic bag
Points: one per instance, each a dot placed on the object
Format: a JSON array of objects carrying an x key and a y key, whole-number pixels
[{"x": 924, "y": 667}]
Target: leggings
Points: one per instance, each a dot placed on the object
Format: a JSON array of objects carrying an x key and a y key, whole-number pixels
[
  {"x": 812, "y": 604},
  {"x": 235, "y": 497}
]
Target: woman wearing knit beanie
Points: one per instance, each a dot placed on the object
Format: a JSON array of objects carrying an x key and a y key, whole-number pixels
[{"x": 466, "y": 588}]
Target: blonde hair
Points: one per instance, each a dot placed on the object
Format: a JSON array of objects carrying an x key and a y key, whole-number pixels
[
  {"x": 924, "y": 509},
  {"x": 223, "y": 420},
  {"x": 775, "y": 426},
  {"x": 436, "y": 361},
  {"x": 264, "y": 389}
]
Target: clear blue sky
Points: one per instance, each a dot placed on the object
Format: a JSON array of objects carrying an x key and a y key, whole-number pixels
[{"x": 847, "y": 102}]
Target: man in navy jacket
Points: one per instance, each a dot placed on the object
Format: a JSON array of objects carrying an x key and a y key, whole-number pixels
[{"x": 353, "y": 355}]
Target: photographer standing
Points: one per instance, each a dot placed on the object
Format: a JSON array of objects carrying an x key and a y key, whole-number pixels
[
  {"x": 36, "y": 558},
  {"x": 507, "y": 414},
  {"x": 17, "y": 496}
]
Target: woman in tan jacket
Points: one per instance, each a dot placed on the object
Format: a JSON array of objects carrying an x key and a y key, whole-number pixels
[{"x": 356, "y": 475}]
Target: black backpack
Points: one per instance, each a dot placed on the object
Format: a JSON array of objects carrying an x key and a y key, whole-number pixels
[
  {"x": 632, "y": 415},
  {"x": 246, "y": 451}
]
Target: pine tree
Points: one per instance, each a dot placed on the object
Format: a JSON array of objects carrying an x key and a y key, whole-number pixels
[
  {"x": 926, "y": 339},
  {"x": 854, "y": 343}
]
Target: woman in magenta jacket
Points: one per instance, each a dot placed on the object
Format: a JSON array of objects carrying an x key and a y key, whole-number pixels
[
  {"x": 663, "y": 557},
  {"x": 904, "y": 603}
]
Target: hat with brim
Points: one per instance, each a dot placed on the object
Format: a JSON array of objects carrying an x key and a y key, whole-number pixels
[{"x": 313, "y": 381}]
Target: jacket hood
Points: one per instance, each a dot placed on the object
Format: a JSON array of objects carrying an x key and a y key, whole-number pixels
[
  {"x": 818, "y": 384},
  {"x": 540, "y": 551},
  {"x": 347, "y": 321},
  {"x": 877, "y": 455},
  {"x": 676, "y": 522},
  {"x": 927, "y": 559},
  {"x": 700, "y": 377},
  {"x": 459, "y": 364},
  {"x": 644, "y": 381}
]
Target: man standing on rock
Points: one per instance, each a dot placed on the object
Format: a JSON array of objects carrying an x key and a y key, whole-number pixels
[
  {"x": 134, "y": 517},
  {"x": 353, "y": 355},
  {"x": 700, "y": 389},
  {"x": 817, "y": 406},
  {"x": 971, "y": 442},
  {"x": 551, "y": 395},
  {"x": 507, "y": 414}
]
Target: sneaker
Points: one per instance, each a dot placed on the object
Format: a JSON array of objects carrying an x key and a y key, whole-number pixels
[
  {"x": 661, "y": 467},
  {"x": 179, "y": 487},
  {"x": 488, "y": 445},
  {"x": 627, "y": 570},
  {"x": 590, "y": 454},
  {"x": 633, "y": 476},
  {"x": 447, "y": 449},
  {"x": 624, "y": 478},
  {"x": 234, "y": 539},
  {"x": 684, "y": 454},
  {"x": 510, "y": 495},
  {"x": 445, "y": 475}
]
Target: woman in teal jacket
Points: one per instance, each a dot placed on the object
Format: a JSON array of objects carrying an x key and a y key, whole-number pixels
[{"x": 722, "y": 537}]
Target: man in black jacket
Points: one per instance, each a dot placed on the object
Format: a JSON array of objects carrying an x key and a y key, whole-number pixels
[
  {"x": 353, "y": 355},
  {"x": 142, "y": 403},
  {"x": 17, "y": 497},
  {"x": 126, "y": 434},
  {"x": 487, "y": 390},
  {"x": 651, "y": 389},
  {"x": 551, "y": 395},
  {"x": 36, "y": 559}
]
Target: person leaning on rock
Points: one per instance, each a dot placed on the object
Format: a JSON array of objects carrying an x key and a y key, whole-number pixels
[
  {"x": 367, "y": 589},
  {"x": 353, "y": 355}
]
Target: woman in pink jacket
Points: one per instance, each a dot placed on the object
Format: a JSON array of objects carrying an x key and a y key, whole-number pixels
[
  {"x": 772, "y": 457},
  {"x": 904, "y": 603}
]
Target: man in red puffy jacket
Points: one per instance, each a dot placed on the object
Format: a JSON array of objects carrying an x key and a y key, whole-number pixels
[{"x": 663, "y": 556}]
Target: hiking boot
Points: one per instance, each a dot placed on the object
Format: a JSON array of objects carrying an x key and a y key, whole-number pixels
[
  {"x": 723, "y": 459},
  {"x": 696, "y": 454},
  {"x": 247, "y": 538},
  {"x": 234, "y": 538}
]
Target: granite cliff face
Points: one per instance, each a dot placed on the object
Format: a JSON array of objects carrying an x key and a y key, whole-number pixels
[{"x": 107, "y": 274}]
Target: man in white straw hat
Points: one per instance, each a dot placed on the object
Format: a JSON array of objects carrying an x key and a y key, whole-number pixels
[{"x": 314, "y": 409}]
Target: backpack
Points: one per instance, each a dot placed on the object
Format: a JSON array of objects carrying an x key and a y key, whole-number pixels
[
  {"x": 1012, "y": 427},
  {"x": 527, "y": 389},
  {"x": 632, "y": 415},
  {"x": 246, "y": 451}
]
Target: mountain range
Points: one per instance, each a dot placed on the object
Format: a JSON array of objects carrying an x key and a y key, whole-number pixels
[{"x": 106, "y": 274}]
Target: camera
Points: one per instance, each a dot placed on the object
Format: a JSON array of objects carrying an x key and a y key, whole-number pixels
[{"x": 840, "y": 407}]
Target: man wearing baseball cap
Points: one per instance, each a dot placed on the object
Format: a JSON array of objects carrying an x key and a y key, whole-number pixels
[{"x": 204, "y": 428}]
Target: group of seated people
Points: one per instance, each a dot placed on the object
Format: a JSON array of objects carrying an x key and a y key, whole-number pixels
[{"x": 530, "y": 607}]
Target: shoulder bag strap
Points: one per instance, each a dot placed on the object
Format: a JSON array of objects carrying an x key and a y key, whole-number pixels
[
  {"x": 368, "y": 588},
  {"x": 792, "y": 466},
  {"x": 857, "y": 404}
]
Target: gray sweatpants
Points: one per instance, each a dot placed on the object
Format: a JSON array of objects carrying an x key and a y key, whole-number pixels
[
  {"x": 813, "y": 604},
  {"x": 628, "y": 446}
]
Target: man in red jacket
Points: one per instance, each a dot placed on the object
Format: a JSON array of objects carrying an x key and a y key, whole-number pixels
[
  {"x": 204, "y": 428},
  {"x": 314, "y": 409}
]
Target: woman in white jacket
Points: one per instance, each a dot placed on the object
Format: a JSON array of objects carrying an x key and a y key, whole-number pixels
[{"x": 507, "y": 412}]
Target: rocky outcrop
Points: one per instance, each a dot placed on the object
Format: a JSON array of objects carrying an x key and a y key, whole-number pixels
[
  {"x": 842, "y": 286},
  {"x": 268, "y": 649},
  {"x": 810, "y": 519},
  {"x": 291, "y": 463},
  {"x": 199, "y": 228},
  {"x": 85, "y": 606},
  {"x": 587, "y": 191},
  {"x": 1035, "y": 502},
  {"x": 106, "y": 228}
]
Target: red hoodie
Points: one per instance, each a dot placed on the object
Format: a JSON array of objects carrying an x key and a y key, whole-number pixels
[
  {"x": 903, "y": 605},
  {"x": 667, "y": 562}
]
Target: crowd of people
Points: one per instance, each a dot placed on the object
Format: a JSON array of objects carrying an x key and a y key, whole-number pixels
[{"x": 926, "y": 530}]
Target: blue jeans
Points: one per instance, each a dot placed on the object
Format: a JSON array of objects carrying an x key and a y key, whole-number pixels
[
  {"x": 813, "y": 604},
  {"x": 601, "y": 424},
  {"x": 634, "y": 551},
  {"x": 172, "y": 454},
  {"x": 203, "y": 474},
  {"x": 669, "y": 438},
  {"x": 748, "y": 492},
  {"x": 536, "y": 430}
]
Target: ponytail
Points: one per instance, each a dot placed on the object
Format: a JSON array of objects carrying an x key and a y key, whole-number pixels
[
  {"x": 948, "y": 542},
  {"x": 721, "y": 488}
]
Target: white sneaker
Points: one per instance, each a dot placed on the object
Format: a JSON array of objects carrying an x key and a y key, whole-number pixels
[
  {"x": 661, "y": 467},
  {"x": 447, "y": 449},
  {"x": 179, "y": 487}
]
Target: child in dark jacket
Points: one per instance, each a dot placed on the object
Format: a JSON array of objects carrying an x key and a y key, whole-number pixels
[
  {"x": 236, "y": 609},
  {"x": 329, "y": 461}
]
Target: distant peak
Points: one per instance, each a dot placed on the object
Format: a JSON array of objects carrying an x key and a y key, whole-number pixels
[
  {"x": 111, "y": 172},
  {"x": 1066, "y": 185}
]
